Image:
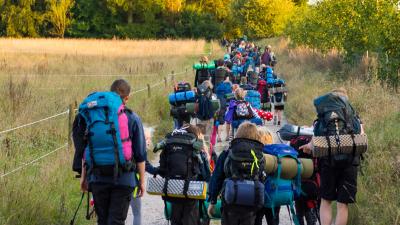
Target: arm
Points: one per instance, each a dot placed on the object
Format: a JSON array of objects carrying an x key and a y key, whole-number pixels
[
  {"x": 205, "y": 170},
  {"x": 78, "y": 136},
  {"x": 150, "y": 168},
  {"x": 139, "y": 150},
  {"x": 217, "y": 178}
]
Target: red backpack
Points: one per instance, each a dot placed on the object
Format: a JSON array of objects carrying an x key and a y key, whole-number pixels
[{"x": 263, "y": 90}]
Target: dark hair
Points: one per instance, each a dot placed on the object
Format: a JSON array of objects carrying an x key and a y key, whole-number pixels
[
  {"x": 121, "y": 87},
  {"x": 220, "y": 62}
]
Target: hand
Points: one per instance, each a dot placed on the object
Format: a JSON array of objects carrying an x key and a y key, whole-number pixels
[
  {"x": 306, "y": 148},
  {"x": 211, "y": 210},
  {"x": 84, "y": 184},
  {"x": 142, "y": 189}
]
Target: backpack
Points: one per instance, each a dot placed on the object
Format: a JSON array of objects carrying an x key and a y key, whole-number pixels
[
  {"x": 203, "y": 74},
  {"x": 263, "y": 90},
  {"x": 336, "y": 117},
  {"x": 109, "y": 142},
  {"x": 242, "y": 111},
  {"x": 252, "y": 78},
  {"x": 243, "y": 168},
  {"x": 280, "y": 191},
  {"x": 183, "y": 87},
  {"x": 223, "y": 89},
  {"x": 254, "y": 98},
  {"x": 269, "y": 75},
  {"x": 220, "y": 74},
  {"x": 179, "y": 158},
  {"x": 204, "y": 95}
]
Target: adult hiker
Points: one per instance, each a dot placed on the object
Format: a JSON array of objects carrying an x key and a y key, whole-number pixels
[
  {"x": 238, "y": 178},
  {"x": 338, "y": 172},
  {"x": 202, "y": 73},
  {"x": 110, "y": 142},
  {"x": 221, "y": 73},
  {"x": 266, "y": 57},
  {"x": 183, "y": 158},
  {"x": 224, "y": 94}
]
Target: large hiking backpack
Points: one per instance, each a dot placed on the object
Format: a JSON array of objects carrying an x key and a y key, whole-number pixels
[
  {"x": 179, "y": 158},
  {"x": 223, "y": 89},
  {"x": 202, "y": 75},
  {"x": 243, "y": 168},
  {"x": 204, "y": 95},
  {"x": 183, "y": 87},
  {"x": 109, "y": 146},
  {"x": 269, "y": 76},
  {"x": 278, "y": 191},
  {"x": 252, "y": 78},
  {"x": 254, "y": 98},
  {"x": 242, "y": 111},
  {"x": 336, "y": 117},
  {"x": 220, "y": 75}
]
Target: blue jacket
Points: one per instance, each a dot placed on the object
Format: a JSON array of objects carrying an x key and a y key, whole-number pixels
[
  {"x": 138, "y": 147},
  {"x": 217, "y": 179}
]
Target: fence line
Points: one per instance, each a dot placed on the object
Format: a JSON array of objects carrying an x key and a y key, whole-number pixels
[
  {"x": 33, "y": 161},
  {"x": 35, "y": 122}
]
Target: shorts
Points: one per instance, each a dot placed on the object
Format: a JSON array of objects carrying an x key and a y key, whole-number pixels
[
  {"x": 279, "y": 107},
  {"x": 338, "y": 184}
]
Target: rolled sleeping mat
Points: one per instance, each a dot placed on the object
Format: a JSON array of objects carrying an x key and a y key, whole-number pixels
[
  {"x": 179, "y": 97},
  {"x": 196, "y": 190},
  {"x": 215, "y": 216},
  {"x": 194, "y": 107},
  {"x": 198, "y": 66},
  {"x": 289, "y": 166},
  {"x": 322, "y": 145},
  {"x": 279, "y": 90}
]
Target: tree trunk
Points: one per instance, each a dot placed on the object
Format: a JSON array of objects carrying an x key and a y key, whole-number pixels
[{"x": 130, "y": 16}]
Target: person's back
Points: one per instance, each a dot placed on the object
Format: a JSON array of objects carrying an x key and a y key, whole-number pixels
[{"x": 110, "y": 142}]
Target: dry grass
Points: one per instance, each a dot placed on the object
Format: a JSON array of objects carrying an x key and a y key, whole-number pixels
[
  {"x": 309, "y": 74},
  {"x": 41, "y": 77}
]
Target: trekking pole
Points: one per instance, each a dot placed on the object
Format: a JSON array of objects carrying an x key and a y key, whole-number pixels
[{"x": 71, "y": 117}]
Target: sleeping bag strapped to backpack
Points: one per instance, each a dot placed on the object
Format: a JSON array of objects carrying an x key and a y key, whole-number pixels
[
  {"x": 269, "y": 75},
  {"x": 280, "y": 191},
  {"x": 242, "y": 111},
  {"x": 243, "y": 168},
  {"x": 179, "y": 159},
  {"x": 337, "y": 117},
  {"x": 254, "y": 98},
  {"x": 204, "y": 95},
  {"x": 109, "y": 146}
]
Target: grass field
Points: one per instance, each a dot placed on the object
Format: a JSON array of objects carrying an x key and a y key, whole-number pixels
[
  {"x": 309, "y": 74},
  {"x": 40, "y": 78}
]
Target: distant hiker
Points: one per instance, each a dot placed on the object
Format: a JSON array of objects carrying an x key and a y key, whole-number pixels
[
  {"x": 202, "y": 73},
  {"x": 223, "y": 92},
  {"x": 182, "y": 159},
  {"x": 238, "y": 178},
  {"x": 221, "y": 73},
  {"x": 266, "y": 57},
  {"x": 182, "y": 94},
  {"x": 110, "y": 143},
  {"x": 338, "y": 172}
]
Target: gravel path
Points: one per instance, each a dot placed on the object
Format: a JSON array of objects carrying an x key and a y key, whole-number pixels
[{"x": 153, "y": 207}]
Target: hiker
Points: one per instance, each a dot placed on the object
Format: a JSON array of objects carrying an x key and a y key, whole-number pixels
[
  {"x": 203, "y": 73},
  {"x": 222, "y": 91},
  {"x": 221, "y": 73},
  {"x": 338, "y": 172},
  {"x": 177, "y": 163},
  {"x": 182, "y": 94},
  {"x": 232, "y": 169},
  {"x": 278, "y": 100},
  {"x": 266, "y": 139},
  {"x": 240, "y": 110},
  {"x": 136, "y": 202},
  {"x": 111, "y": 181},
  {"x": 206, "y": 109},
  {"x": 266, "y": 57}
]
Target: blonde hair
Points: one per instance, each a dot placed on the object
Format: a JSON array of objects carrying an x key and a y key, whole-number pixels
[
  {"x": 340, "y": 92},
  {"x": 240, "y": 94},
  {"x": 265, "y": 134},
  {"x": 249, "y": 131},
  {"x": 204, "y": 59}
]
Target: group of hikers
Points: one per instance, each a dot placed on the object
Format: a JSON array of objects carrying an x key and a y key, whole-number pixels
[{"x": 252, "y": 177}]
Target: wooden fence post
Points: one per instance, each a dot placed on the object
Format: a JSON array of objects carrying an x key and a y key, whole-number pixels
[
  {"x": 148, "y": 90},
  {"x": 172, "y": 76},
  {"x": 165, "y": 81},
  {"x": 71, "y": 117}
]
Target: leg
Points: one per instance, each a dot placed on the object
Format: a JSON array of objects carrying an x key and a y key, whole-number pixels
[
  {"x": 136, "y": 204},
  {"x": 248, "y": 218},
  {"x": 119, "y": 205},
  {"x": 326, "y": 212},
  {"x": 300, "y": 210},
  {"x": 342, "y": 214},
  {"x": 259, "y": 216},
  {"x": 177, "y": 213},
  {"x": 229, "y": 217},
  {"x": 101, "y": 196},
  {"x": 228, "y": 130},
  {"x": 191, "y": 214}
]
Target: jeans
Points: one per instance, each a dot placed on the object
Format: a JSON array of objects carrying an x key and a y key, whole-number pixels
[
  {"x": 111, "y": 203},
  {"x": 185, "y": 213},
  {"x": 136, "y": 205}
]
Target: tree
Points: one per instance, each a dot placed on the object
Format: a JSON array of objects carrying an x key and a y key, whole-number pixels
[
  {"x": 58, "y": 16},
  {"x": 263, "y": 18}
]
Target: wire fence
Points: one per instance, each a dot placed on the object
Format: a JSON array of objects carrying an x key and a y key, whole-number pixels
[{"x": 72, "y": 111}]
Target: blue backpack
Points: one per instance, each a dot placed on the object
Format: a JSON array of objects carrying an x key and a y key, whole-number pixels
[
  {"x": 254, "y": 98},
  {"x": 222, "y": 89},
  {"x": 101, "y": 112},
  {"x": 280, "y": 191},
  {"x": 269, "y": 75}
]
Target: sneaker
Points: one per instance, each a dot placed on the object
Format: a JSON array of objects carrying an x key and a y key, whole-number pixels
[{"x": 279, "y": 123}]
